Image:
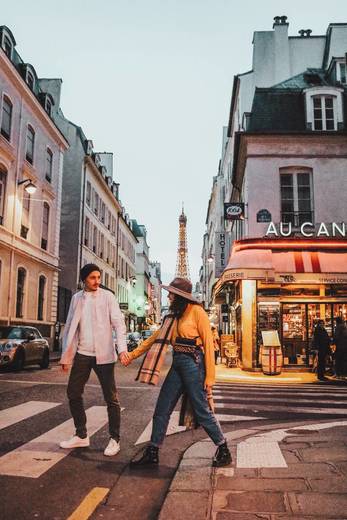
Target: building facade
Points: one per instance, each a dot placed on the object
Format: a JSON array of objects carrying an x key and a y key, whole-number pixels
[
  {"x": 31, "y": 166},
  {"x": 285, "y": 160},
  {"x": 155, "y": 296},
  {"x": 143, "y": 284},
  {"x": 126, "y": 271}
]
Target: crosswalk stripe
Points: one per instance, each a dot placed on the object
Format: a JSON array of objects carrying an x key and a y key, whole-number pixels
[
  {"x": 261, "y": 399},
  {"x": 172, "y": 428},
  {"x": 299, "y": 409},
  {"x": 256, "y": 395},
  {"x": 23, "y": 411},
  {"x": 38, "y": 455},
  {"x": 233, "y": 418},
  {"x": 322, "y": 387}
]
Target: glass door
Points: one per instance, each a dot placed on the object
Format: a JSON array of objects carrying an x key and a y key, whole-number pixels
[{"x": 294, "y": 333}]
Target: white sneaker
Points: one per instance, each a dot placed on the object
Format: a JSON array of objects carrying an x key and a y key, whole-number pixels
[
  {"x": 112, "y": 448},
  {"x": 75, "y": 442}
]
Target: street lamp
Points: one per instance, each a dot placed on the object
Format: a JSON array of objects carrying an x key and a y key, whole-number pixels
[{"x": 30, "y": 186}]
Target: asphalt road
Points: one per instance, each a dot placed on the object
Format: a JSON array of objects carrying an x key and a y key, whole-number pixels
[{"x": 57, "y": 493}]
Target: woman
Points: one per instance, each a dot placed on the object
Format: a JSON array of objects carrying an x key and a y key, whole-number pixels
[
  {"x": 340, "y": 340},
  {"x": 216, "y": 343},
  {"x": 192, "y": 372}
]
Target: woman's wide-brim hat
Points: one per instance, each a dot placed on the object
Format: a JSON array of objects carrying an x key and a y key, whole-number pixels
[{"x": 181, "y": 287}]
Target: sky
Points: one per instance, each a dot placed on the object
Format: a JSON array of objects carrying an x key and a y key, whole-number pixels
[{"x": 151, "y": 81}]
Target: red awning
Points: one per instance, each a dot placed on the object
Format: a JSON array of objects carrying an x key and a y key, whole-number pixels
[{"x": 276, "y": 260}]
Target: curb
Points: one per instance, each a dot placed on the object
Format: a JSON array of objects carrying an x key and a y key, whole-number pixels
[{"x": 191, "y": 491}]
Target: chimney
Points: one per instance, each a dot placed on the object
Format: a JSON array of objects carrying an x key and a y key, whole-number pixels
[
  {"x": 305, "y": 33},
  {"x": 281, "y": 49}
]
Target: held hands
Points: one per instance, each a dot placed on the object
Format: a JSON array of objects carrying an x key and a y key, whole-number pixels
[
  {"x": 65, "y": 368},
  {"x": 125, "y": 359}
]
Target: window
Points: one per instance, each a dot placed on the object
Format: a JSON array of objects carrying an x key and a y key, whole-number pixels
[
  {"x": 86, "y": 232},
  {"x": 3, "y": 178},
  {"x": 107, "y": 280},
  {"x": 48, "y": 106},
  {"x": 49, "y": 165},
  {"x": 30, "y": 80},
  {"x": 102, "y": 211},
  {"x": 25, "y": 215},
  {"x": 45, "y": 226},
  {"x": 95, "y": 240},
  {"x": 324, "y": 113},
  {"x": 6, "y": 118},
  {"x": 296, "y": 198},
  {"x": 7, "y": 46},
  {"x": 41, "y": 297},
  {"x": 88, "y": 193},
  {"x": 96, "y": 203},
  {"x": 342, "y": 73},
  {"x": 29, "y": 155},
  {"x": 21, "y": 276},
  {"x": 102, "y": 245}
]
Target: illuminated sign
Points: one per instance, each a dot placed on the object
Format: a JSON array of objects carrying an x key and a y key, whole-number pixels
[
  {"x": 234, "y": 210},
  {"x": 307, "y": 229}
]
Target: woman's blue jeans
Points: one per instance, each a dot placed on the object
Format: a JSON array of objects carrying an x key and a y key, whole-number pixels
[{"x": 185, "y": 375}]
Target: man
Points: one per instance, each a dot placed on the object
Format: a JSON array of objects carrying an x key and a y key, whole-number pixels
[
  {"x": 321, "y": 342},
  {"x": 88, "y": 344}
]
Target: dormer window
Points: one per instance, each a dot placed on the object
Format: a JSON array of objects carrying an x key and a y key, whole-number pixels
[
  {"x": 7, "y": 46},
  {"x": 48, "y": 106},
  {"x": 30, "y": 80},
  {"x": 324, "y": 108},
  {"x": 324, "y": 115},
  {"x": 341, "y": 72}
]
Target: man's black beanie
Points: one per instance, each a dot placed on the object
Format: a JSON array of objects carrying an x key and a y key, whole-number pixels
[{"x": 87, "y": 269}]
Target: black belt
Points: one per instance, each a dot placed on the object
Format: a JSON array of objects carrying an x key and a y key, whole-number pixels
[{"x": 187, "y": 346}]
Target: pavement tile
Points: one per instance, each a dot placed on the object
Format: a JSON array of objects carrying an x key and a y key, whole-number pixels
[
  {"x": 241, "y": 516},
  {"x": 319, "y": 454},
  {"x": 201, "y": 450},
  {"x": 194, "y": 463},
  {"x": 331, "y": 485},
  {"x": 342, "y": 466},
  {"x": 327, "y": 505},
  {"x": 291, "y": 456},
  {"x": 300, "y": 470},
  {"x": 262, "y": 484},
  {"x": 246, "y": 472},
  {"x": 255, "y": 501},
  {"x": 295, "y": 443},
  {"x": 192, "y": 480},
  {"x": 180, "y": 505}
]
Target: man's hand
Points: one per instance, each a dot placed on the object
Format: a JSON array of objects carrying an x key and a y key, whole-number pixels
[
  {"x": 124, "y": 358},
  {"x": 65, "y": 368}
]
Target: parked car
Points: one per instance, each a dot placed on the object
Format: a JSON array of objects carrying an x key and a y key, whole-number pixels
[
  {"x": 21, "y": 346},
  {"x": 145, "y": 334},
  {"x": 133, "y": 339}
]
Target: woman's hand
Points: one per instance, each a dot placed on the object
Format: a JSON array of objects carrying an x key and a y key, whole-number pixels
[{"x": 125, "y": 359}]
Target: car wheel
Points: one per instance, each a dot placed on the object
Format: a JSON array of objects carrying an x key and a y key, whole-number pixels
[
  {"x": 19, "y": 360},
  {"x": 45, "y": 359}
]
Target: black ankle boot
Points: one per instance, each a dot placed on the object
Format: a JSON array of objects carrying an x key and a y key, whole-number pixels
[
  {"x": 222, "y": 456},
  {"x": 150, "y": 457}
]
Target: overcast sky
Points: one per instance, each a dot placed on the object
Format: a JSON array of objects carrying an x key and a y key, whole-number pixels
[{"x": 150, "y": 81}]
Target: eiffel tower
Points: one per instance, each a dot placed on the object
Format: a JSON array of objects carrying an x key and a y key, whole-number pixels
[{"x": 182, "y": 266}]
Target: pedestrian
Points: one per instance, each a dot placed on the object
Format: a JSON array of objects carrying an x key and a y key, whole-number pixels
[
  {"x": 188, "y": 329},
  {"x": 216, "y": 343},
  {"x": 321, "y": 342},
  {"x": 340, "y": 341},
  {"x": 88, "y": 344}
]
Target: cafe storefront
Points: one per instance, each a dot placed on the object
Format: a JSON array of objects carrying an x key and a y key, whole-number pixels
[{"x": 284, "y": 284}]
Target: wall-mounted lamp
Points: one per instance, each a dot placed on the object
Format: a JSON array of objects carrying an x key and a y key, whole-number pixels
[
  {"x": 210, "y": 259},
  {"x": 30, "y": 186}
]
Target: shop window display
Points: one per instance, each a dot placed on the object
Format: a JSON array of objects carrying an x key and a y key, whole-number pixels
[{"x": 294, "y": 334}]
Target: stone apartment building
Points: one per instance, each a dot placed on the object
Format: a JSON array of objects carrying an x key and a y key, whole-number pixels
[{"x": 31, "y": 166}]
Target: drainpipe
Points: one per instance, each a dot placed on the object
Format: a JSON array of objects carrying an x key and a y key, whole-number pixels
[
  {"x": 19, "y": 144},
  {"x": 82, "y": 218}
]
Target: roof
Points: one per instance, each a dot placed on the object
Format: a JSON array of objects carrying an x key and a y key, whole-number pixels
[{"x": 309, "y": 78}]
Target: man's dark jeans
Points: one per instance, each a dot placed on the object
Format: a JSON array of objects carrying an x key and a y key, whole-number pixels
[{"x": 79, "y": 375}]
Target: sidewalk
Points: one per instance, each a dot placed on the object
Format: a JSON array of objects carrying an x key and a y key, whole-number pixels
[
  {"x": 294, "y": 471},
  {"x": 236, "y": 375}
]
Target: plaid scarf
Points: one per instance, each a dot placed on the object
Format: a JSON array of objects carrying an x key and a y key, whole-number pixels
[{"x": 154, "y": 359}]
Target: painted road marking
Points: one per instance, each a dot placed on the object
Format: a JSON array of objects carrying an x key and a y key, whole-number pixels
[
  {"x": 92, "y": 385},
  {"x": 38, "y": 455},
  {"x": 286, "y": 399},
  {"x": 89, "y": 504},
  {"x": 263, "y": 451},
  {"x": 175, "y": 428},
  {"x": 23, "y": 411},
  {"x": 290, "y": 409}
]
